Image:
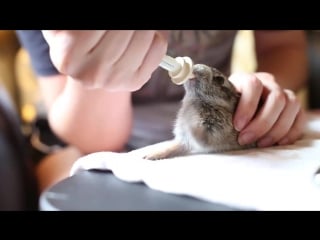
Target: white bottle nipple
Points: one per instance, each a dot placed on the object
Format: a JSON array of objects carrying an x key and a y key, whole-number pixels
[{"x": 179, "y": 68}]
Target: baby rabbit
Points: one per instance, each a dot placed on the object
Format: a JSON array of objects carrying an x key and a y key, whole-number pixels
[{"x": 204, "y": 121}]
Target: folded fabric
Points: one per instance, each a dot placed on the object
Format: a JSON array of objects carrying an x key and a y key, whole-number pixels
[{"x": 274, "y": 178}]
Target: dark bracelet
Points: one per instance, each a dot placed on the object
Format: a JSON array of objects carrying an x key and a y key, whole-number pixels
[{"x": 43, "y": 141}]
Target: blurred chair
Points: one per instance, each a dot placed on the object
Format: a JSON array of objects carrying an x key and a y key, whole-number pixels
[{"x": 18, "y": 187}]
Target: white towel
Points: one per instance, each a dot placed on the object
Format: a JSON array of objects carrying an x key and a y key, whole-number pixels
[{"x": 275, "y": 178}]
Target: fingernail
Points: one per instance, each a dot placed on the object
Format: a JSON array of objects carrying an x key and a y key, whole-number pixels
[
  {"x": 283, "y": 141},
  {"x": 240, "y": 123},
  {"x": 246, "y": 138},
  {"x": 265, "y": 142}
]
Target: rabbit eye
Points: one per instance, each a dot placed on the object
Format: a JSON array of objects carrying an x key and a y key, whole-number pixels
[{"x": 219, "y": 79}]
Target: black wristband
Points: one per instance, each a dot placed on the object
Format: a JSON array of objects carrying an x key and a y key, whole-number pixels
[{"x": 43, "y": 141}]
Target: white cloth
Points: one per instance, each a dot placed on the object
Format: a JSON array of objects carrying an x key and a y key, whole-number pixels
[{"x": 275, "y": 178}]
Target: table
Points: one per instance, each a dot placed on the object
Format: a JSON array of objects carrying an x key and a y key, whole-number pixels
[{"x": 101, "y": 191}]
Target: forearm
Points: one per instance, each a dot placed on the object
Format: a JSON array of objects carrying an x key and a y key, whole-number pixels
[
  {"x": 287, "y": 61},
  {"x": 91, "y": 120}
]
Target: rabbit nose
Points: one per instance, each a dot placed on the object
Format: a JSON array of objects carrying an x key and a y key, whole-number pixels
[{"x": 200, "y": 70}]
